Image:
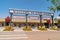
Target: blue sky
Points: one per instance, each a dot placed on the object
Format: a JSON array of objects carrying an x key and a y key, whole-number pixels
[{"x": 39, "y": 5}]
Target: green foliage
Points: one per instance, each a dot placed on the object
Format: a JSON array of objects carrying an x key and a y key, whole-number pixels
[
  {"x": 7, "y": 28},
  {"x": 58, "y": 7},
  {"x": 24, "y": 28},
  {"x": 42, "y": 28},
  {"x": 51, "y": 8},
  {"x": 53, "y": 28},
  {"x": 56, "y": 4},
  {"x": 27, "y": 29},
  {"x": 59, "y": 21}
]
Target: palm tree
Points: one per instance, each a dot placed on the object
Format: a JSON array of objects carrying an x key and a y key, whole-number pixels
[
  {"x": 55, "y": 7},
  {"x": 56, "y": 4},
  {"x": 51, "y": 8},
  {"x": 59, "y": 15}
]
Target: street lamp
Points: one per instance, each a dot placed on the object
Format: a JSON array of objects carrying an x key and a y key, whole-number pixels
[
  {"x": 26, "y": 20},
  {"x": 40, "y": 20},
  {"x": 52, "y": 16},
  {"x": 11, "y": 13}
]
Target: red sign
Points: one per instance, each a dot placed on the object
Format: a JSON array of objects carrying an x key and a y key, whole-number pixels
[
  {"x": 7, "y": 19},
  {"x": 48, "y": 21}
]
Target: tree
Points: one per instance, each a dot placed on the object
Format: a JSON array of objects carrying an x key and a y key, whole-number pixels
[
  {"x": 56, "y": 4},
  {"x": 51, "y": 8},
  {"x": 59, "y": 15},
  {"x": 56, "y": 7}
]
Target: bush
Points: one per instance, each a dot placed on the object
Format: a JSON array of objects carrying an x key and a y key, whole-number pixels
[
  {"x": 24, "y": 28},
  {"x": 11, "y": 29},
  {"x": 27, "y": 29},
  {"x": 39, "y": 28},
  {"x": 54, "y": 28},
  {"x": 7, "y": 28},
  {"x": 42, "y": 28}
]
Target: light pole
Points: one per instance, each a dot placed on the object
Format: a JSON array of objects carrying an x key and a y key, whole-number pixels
[
  {"x": 52, "y": 16},
  {"x": 26, "y": 20},
  {"x": 40, "y": 20},
  {"x": 11, "y": 13}
]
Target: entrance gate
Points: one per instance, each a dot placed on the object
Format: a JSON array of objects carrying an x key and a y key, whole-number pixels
[{"x": 42, "y": 15}]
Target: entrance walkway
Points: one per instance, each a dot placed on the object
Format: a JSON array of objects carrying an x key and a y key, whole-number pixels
[
  {"x": 13, "y": 35},
  {"x": 43, "y": 35},
  {"x": 18, "y": 34}
]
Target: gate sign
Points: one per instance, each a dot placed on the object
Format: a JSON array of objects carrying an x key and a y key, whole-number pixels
[
  {"x": 34, "y": 17},
  {"x": 28, "y": 12},
  {"x": 18, "y": 17}
]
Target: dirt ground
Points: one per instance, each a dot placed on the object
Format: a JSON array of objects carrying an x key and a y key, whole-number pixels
[{"x": 43, "y": 35}]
